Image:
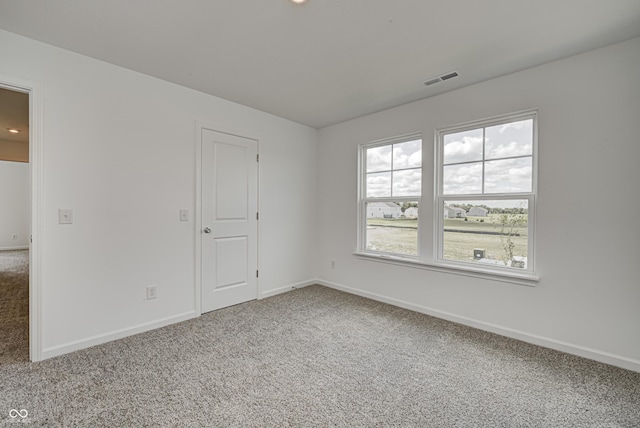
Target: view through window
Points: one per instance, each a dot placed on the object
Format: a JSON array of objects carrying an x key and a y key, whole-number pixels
[
  {"x": 393, "y": 187},
  {"x": 486, "y": 193},
  {"x": 482, "y": 210}
]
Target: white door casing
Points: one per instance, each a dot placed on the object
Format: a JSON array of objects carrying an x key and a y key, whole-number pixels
[
  {"x": 36, "y": 229},
  {"x": 229, "y": 223}
]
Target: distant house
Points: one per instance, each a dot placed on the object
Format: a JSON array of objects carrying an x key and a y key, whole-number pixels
[
  {"x": 383, "y": 210},
  {"x": 454, "y": 212},
  {"x": 411, "y": 212},
  {"x": 478, "y": 212}
]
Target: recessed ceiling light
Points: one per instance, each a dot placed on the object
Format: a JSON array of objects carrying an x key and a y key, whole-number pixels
[
  {"x": 13, "y": 131},
  {"x": 298, "y": 1}
]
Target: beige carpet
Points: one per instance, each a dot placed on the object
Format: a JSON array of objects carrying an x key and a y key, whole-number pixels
[
  {"x": 14, "y": 307},
  {"x": 319, "y": 357}
]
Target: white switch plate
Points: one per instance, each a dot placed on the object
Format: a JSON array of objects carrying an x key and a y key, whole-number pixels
[
  {"x": 184, "y": 214},
  {"x": 65, "y": 216}
]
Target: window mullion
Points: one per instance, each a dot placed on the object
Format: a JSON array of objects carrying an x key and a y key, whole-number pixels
[
  {"x": 484, "y": 148},
  {"x": 392, "y": 166}
]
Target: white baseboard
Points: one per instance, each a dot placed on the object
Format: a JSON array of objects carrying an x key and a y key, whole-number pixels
[
  {"x": 286, "y": 288},
  {"x": 115, "y": 335},
  {"x": 19, "y": 247},
  {"x": 581, "y": 351},
  {"x": 125, "y": 332}
]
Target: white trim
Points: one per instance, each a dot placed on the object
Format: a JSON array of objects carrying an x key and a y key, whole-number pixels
[
  {"x": 199, "y": 126},
  {"x": 514, "y": 277},
  {"x": 142, "y": 328},
  {"x": 36, "y": 167},
  {"x": 489, "y": 121},
  {"x": 115, "y": 335},
  {"x": 362, "y": 198},
  {"x": 580, "y": 351},
  {"x": 285, "y": 289},
  {"x": 439, "y": 198},
  {"x": 197, "y": 221},
  {"x": 13, "y": 248}
]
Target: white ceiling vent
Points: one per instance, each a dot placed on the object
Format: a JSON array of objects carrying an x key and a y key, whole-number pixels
[{"x": 446, "y": 76}]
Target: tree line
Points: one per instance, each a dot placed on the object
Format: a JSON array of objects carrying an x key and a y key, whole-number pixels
[
  {"x": 493, "y": 210},
  {"x": 467, "y": 207}
]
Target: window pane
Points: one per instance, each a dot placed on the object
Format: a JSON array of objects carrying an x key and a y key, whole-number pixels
[
  {"x": 509, "y": 139},
  {"x": 392, "y": 227},
  {"x": 508, "y": 175},
  {"x": 462, "y": 179},
  {"x": 489, "y": 232},
  {"x": 407, "y": 155},
  {"x": 379, "y": 184},
  {"x": 379, "y": 159},
  {"x": 407, "y": 182},
  {"x": 463, "y": 146}
]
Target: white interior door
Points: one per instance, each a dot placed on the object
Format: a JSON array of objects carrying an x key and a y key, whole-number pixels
[{"x": 229, "y": 220}]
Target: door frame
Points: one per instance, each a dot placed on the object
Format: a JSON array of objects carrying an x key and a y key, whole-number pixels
[
  {"x": 200, "y": 126},
  {"x": 36, "y": 186}
]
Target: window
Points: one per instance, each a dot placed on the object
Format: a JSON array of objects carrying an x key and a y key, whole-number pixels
[
  {"x": 390, "y": 193},
  {"x": 479, "y": 215},
  {"x": 486, "y": 194}
]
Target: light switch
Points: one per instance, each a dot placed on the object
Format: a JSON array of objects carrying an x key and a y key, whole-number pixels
[
  {"x": 65, "y": 216},
  {"x": 184, "y": 214}
]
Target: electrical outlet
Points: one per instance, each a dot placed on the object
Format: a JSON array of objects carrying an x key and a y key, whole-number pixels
[
  {"x": 333, "y": 264},
  {"x": 65, "y": 216},
  {"x": 152, "y": 292}
]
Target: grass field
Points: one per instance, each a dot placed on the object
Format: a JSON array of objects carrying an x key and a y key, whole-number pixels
[{"x": 401, "y": 236}]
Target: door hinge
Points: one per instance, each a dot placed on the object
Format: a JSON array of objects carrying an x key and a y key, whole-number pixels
[
  {"x": 257, "y": 216},
  {"x": 257, "y": 158},
  {"x": 257, "y": 274}
]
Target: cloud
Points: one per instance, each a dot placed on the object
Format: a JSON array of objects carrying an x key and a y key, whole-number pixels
[
  {"x": 462, "y": 179},
  {"x": 519, "y": 125},
  {"x": 379, "y": 185},
  {"x": 508, "y": 175},
  {"x": 513, "y": 148},
  {"x": 463, "y": 146},
  {"x": 509, "y": 139},
  {"x": 407, "y": 155},
  {"x": 379, "y": 159},
  {"x": 407, "y": 182}
]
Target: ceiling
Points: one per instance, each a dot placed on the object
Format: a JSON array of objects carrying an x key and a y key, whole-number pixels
[{"x": 325, "y": 61}]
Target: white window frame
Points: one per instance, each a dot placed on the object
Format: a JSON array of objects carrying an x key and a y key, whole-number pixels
[
  {"x": 363, "y": 199},
  {"x": 439, "y": 198},
  {"x": 431, "y": 228}
]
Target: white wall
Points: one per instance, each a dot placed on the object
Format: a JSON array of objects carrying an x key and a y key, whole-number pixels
[
  {"x": 119, "y": 149},
  {"x": 14, "y": 205},
  {"x": 587, "y": 299}
]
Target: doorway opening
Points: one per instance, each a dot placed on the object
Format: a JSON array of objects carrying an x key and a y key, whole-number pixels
[{"x": 15, "y": 225}]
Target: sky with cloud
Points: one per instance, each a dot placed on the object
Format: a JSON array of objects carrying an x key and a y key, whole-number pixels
[
  {"x": 495, "y": 159},
  {"x": 507, "y": 152},
  {"x": 395, "y": 170}
]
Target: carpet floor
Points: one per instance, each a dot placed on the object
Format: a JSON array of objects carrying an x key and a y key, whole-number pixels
[
  {"x": 316, "y": 357},
  {"x": 14, "y": 307}
]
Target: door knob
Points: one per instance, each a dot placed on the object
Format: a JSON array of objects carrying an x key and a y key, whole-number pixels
[{"x": 207, "y": 230}]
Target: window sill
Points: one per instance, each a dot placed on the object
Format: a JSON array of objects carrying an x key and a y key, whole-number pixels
[{"x": 511, "y": 277}]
